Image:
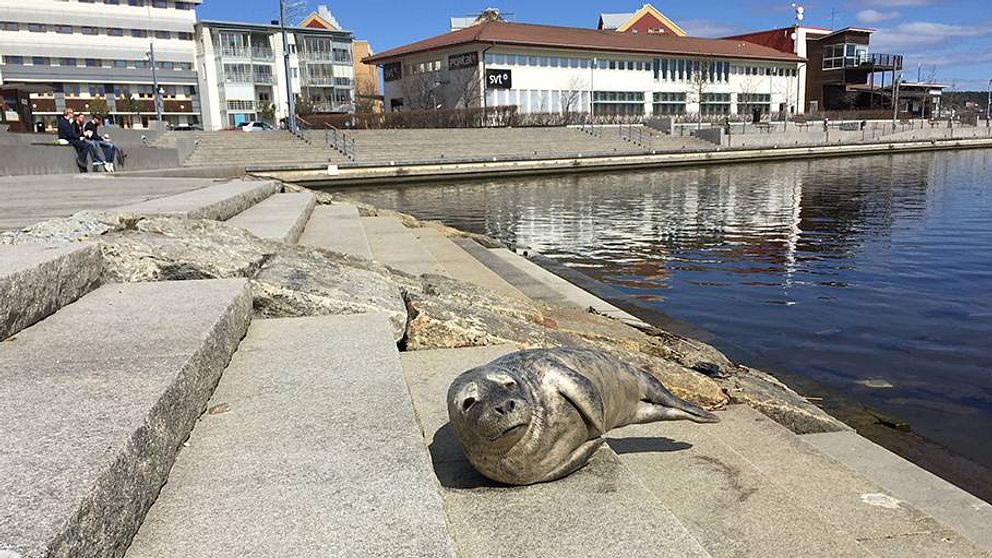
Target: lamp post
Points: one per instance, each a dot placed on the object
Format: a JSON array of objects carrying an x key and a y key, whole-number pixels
[
  {"x": 156, "y": 90},
  {"x": 895, "y": 100},
  {"x": 290, "y": 100},
  {"x": 988, "y": 107}
]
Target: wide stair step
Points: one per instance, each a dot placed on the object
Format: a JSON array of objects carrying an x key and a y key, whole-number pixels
[
  {"x": 337, "y": 228},
  {"x": 220, "y": 202},
  {"x": 310, "y": 448},
  {"x": 970, "y": 516},
  {"x": 280, "y": 217},
  {"x": 97, "y": 400},
  {"x": 601, "y": 511},
  {"x": 460, "y": 265},
  {"x": 395, "y": 245},
  {"x": 37, "y": 279},
  {"x": 750, "y": 487}
]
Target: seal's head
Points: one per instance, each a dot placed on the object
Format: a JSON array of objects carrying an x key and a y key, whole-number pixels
[{"x": 488, "y": 406}]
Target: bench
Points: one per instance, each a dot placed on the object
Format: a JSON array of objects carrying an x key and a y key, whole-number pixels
[{"x": 767, "y": 126}]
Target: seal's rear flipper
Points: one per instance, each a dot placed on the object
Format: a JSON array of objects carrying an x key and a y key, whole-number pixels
[{"x": 660, "y": 404}]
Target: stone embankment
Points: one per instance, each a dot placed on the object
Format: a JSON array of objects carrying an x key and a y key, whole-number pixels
[{"x": 310, "y": 377}]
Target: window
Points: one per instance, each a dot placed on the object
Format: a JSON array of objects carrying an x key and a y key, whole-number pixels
[
  {"x": 89, "y": 30},
  {"x": 67, "y": 62},
  {"x": 9, "y": 26},
  {"x": 184, "y": 6},
  {"x": 112, "y": 2},
  {"x": 93, "y": 63},
  {"x": 40, "y": 61},
  {"x": 844, "y": 55},
  {"x": 237, "y": 73},
  {"x": 669, "y": 103},
  {"x": 115, "y": 32},
  {"x": 138, "y": 3},
  {"x": 139, "y": 33},
  {"x": 140, "y": 64},
  {"x": 13, "y": 60},
  {"x": 163, "y": 34},
  {"x": 120, "y": 63},
  {"x": 37, "y": 28},
  {"x": 584, "y": 63},
  {"x": 748, "y": 102},
  {"x": 63, "y": 29},
  {"x": 164, "y": 65},
  {"x": 544, "y": 61},
  {"x": 159, "y": 4},
  {"x": 554, "y": 61},
  {"x": 618, "y": 102},
  {"x": 715, "y": 103}
]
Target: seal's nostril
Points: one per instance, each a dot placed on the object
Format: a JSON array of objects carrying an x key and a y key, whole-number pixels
[
  {"x": 469, "y": 401},
  {"x": 510, "y": 405}
]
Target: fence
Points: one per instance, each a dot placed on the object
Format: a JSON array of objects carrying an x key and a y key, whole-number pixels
[{"x": 338, "y": 140}]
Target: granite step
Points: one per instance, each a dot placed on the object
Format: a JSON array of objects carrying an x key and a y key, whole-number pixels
[
  {"x": 565, "y": 293},
  {"x": 38, "y": 279},
  {"x": 280, "y": 217},
  {"x": 97, "y": 400},
  {"x": 520, "y": 280},
  {"x": 337, "y": 228},
  {"x": 460, "y": 265},
  {"x": 952, "y": 506},
  {"x": 220, "y": 202},
  {"x": 750, "y": 487},
  {"x": 395, "y": 245},
  {"x": 602, "y": 510},
  {"x": 309, "y": 448}
]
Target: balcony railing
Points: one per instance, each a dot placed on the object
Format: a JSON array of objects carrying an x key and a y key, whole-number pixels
[
  {"x": 264, "y": 79},
  {"x": 232, "y": 77},
  {"x": 886, "y": 61},
  {"x": 262, "y": 54},
  {"x": 234, "y": 52},
  {"x": 319, "y": 80}
]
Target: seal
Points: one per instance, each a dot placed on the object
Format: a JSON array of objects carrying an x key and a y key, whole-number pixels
[{"x": 539, "y": 415}]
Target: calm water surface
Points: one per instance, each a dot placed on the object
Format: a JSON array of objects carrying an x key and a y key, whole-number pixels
[{"x": 870, "y": 275}]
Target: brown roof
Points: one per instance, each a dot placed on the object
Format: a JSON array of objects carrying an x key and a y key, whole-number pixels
[{"x": 525, "y": 34}]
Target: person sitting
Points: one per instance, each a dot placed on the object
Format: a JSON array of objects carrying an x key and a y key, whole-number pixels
[
  {"x": 91, "y": 130},
  {"x": 72, "y": 135}
]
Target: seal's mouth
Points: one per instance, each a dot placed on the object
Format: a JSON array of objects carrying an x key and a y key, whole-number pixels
[{"x": 510, "y": 431}]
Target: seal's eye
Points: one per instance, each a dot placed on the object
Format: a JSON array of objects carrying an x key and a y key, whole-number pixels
[
  {"x": 510, "y": 384},
  {"x": 467, "y": 404}
]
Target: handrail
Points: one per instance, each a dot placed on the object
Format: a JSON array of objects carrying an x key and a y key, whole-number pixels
[
  {"x": 337, "y": 139},
  {"x": 636, "y": 135}
]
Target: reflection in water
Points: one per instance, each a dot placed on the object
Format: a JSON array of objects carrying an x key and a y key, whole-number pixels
[{"x": 859, "y": 273}]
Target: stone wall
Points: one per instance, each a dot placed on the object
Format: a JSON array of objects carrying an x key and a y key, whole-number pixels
[{"x": 54, "y": 159}]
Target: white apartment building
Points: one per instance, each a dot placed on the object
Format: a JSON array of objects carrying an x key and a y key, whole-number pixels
[
  {"x": 242, "y": 71},
  {"x": 68, "y": 53},
  {"x": 540, "y": 68}
]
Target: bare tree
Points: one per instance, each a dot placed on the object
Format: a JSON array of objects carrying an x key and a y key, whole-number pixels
[
  {"x": 421, "y": 91},
  {"x": 699, "y": 86},
  {"x": 746, "y": 96},
  {"x": 465, "y": 88},
  {"x": 572, "y": 97}
]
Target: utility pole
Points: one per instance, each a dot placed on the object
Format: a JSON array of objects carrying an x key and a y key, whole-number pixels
[
  {"x": 290, "y": 100},
  {"x": 988, "y": 107}
]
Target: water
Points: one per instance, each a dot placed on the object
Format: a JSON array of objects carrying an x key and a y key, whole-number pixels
[{"x": 872, "y": 276}]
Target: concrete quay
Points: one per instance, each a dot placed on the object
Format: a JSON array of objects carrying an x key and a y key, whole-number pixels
[{"x": 163, "y": 419}]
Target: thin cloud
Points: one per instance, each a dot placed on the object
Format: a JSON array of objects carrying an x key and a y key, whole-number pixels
[
  {"x": 900, "y": 3},
  {"x": 875, "y": 16},
  {"x": 707, "y": 28},
  {"x": 917, "y": 34}
]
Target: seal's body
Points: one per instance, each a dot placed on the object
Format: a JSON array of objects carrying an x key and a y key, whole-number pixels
[{"x": 539, "y": 415}]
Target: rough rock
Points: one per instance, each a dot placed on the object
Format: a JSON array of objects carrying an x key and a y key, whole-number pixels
[
  {"x": 449, "y": 314},
  {"x": 81, "y": 226},
  {"x": 287, "y": 281},
  {"x": 774, "y": 399}
]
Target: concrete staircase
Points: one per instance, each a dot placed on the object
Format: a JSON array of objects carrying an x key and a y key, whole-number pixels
[
  {"x": 321, "y": 439},
  {"x": 252, "y": 149}
]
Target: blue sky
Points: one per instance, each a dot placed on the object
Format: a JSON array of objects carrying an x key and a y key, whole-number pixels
[{"x": 951, "y": 38}]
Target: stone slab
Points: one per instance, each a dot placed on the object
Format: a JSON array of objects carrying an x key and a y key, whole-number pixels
[
  {"x": 97, "y": 400},
  {"x": 30, "y": 199},
  {"x": 394, "y": 245},
  {"x": 220, "y": 202},
  {"x": 280, "y": 217},
  {"x": 566, "y": 293},
  {"x": 749, "y": 487},
  {"x": 36, "y": 280},
  {"x": 601, "y": 510},
  {"x": 337, "y": 228},
  {"x": 460, "y": 265},
  {"x": 532, "y": 288},
  {"x": 947, "y": 503},
  {"x": 311, "y": 448}
]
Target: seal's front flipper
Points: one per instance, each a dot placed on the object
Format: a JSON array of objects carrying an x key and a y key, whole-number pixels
[
  {"x": 658, "y": 403},
  {"x": 576, "y": 460},
  {"x": 583, "y": 395}
]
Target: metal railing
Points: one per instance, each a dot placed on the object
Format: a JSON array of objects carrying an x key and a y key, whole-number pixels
[
  {"x": 338, "y": 140},
  {"x": 265, "y": 79},
  {"x": 592, "y": 129},
  {"x": 636, "y": 134},
  {"x": 262, "y": 54}
]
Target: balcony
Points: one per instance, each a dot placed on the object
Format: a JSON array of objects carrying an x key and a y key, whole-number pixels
[
  {"x": 263, "y": 78},
  {"x": 262, "y": 54},
  {"x": 883, "y": 62},
  {"x": 234, "y": 52}
]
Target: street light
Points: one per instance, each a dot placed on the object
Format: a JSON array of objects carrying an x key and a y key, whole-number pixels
[
  {"x": 290, "y": 100},
  {"x": 988, "y": 107},
  {"x": 156, "y": 90}
]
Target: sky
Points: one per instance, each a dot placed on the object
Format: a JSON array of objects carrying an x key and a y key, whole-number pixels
[{"x": 949, "y": 40}]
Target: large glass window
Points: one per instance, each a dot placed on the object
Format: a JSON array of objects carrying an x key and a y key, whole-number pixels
[
  {"x": 715, "y": 103},
  {"x": 747, "y": 103},
  {"x": 844, "y": 55},
  {"x": 618, "y": 102},
  {"x": 668, "y": 103}
]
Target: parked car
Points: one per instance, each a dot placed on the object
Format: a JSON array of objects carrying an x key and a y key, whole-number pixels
[{"x": 255, "y": 127}]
